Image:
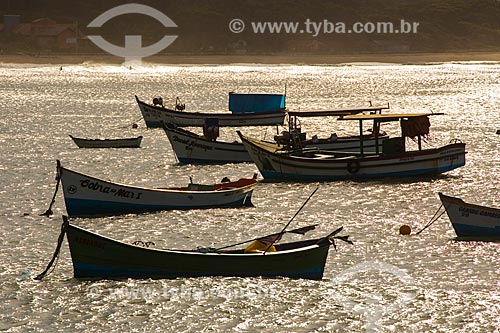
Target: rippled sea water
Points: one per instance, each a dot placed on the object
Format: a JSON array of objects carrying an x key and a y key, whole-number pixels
[{"x": 383, "y": 283}]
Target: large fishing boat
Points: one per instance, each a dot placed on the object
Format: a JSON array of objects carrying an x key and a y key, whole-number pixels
[{"x": 280, "y": 163}]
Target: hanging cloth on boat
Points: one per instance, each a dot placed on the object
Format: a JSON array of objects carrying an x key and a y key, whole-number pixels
[{"x": 416, "y": 126}]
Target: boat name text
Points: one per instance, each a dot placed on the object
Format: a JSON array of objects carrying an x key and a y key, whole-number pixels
[
  {"x": 89, "y": 242},
  {"x": 96, "y": 186},
  {"x": 466, "y": 211},
  {"x": 191, "y": 143}
]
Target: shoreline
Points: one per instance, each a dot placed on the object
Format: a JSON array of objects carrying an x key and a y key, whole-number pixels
[{"x": 178, "y": 59}]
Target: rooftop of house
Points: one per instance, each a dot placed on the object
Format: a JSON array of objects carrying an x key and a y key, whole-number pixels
[{"x": 41, "y": 27}]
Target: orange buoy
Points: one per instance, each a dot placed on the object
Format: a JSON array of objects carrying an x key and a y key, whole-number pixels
[{"x": 404, "y": 230}]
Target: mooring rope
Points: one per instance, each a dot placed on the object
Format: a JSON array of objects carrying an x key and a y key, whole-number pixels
[
  {"x": 49, "y": 212},
  {"x": 65, "y": 223},
  {"x": 433, "y": 219},
  {"x": 131, "y": 124}
]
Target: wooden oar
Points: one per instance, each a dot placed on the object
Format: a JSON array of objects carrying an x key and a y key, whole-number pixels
[
  {"x": 333, "y": 236},
  {"x": 286, "y": 226},
  {"x": 301, "y": 231}
]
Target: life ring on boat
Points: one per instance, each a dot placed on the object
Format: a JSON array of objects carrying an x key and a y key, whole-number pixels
[{"x": 353, "y": 166}]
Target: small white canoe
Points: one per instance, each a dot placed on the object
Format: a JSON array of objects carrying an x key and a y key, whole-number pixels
[{"x": 108, "y": 143}]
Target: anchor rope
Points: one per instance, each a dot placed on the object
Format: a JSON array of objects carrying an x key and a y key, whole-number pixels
[
  {"x": 49, "y": 212},
  {"x": 133, "y": 122},
  {"x": 434, "y": 218},
  {"x": 55, "y": 256}
]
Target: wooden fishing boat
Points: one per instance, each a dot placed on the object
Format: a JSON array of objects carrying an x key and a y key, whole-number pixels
[
  {"x": 278, "y": 163},
  {"x": 472, "y": 221},
  {"x": 98, "y": 257},
  {"x": 108, "y": 143},
  {"x": 191, "y": 148},
  {"x": 156, "y": 115},
  {"x": 87, "y": 196}
]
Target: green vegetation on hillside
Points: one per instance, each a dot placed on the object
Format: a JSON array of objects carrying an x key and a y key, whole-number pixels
[{"x": 444, "y": 25}]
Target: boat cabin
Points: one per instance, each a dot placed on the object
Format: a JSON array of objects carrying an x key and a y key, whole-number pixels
[
  {"x": 295, "y": 138},
  {"x": 413, "y": 125}
]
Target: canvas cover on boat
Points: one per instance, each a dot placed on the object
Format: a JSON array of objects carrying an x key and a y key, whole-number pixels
[
  {"x": 413, "y": 127},
  {"x": 247, "y": 103}
]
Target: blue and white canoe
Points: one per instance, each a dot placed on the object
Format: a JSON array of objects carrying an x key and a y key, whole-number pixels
[
  {"x": 472, "y": 221},
  {"x": 87, "y": 196}
]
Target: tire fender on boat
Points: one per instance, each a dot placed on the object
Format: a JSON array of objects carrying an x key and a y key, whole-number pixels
[{"x": 353, "y": 166}]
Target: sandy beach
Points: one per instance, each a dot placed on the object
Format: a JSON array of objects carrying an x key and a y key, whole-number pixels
[{"x": 175, "y": 59}]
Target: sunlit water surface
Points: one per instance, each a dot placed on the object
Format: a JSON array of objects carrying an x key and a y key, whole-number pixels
[{"x": 383, "y": 283}]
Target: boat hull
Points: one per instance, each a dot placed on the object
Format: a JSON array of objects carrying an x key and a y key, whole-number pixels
[
  {"x": 98, "y": 257},
  {"x": 87, "y": 196},
  {"x": 108, "y": 143},
  {"x": 276, "y": 166},
  {"x": 190, "y": 148},
  {"x": 472, "y": 221},
  {"x": 155, "y": 117}
]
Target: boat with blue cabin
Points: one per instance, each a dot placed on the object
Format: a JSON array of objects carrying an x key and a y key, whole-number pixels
[{"x": 246, "y": 110}]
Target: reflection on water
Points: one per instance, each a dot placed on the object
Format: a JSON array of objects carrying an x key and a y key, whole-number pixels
[{"x": 454, "y": 283}]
